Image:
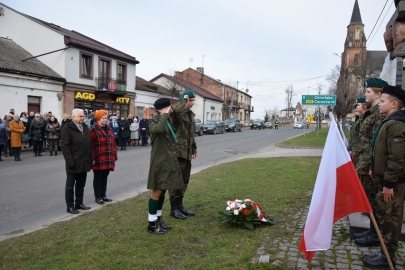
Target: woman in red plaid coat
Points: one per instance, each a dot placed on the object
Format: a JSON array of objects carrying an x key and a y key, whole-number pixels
[{"x": 105, "y": 155}]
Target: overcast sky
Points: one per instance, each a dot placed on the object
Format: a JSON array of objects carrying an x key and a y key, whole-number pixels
[{"x": 263, "y": 42}]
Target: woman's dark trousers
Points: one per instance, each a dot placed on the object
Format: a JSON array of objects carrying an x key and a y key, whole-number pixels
[
  {"x": 37, "y": 147},
  {"x": 100, "y": 183},
  {"x": 124, "y": 143}
]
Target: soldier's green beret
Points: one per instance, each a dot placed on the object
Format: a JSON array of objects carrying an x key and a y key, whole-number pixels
[
  {"x": 375, "y": 82},
  {"x": 361, "y": 100},
  {"x": 188, "y": 92},
  {"x": 395, "y": 91}
]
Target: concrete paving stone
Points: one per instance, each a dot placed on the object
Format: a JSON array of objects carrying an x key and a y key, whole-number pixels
[
  {"x": 330, "y": 260},
  {"x": 356, "y": 251},
  {"x": 277, "y": 263},
  {"x": 283, "y": 248},
  {"x": 354, "y": 257},
  {"x": 302, "y": 266},
  {"x": 356, "y": 267},
  {"x": 339, "y": 247},
  {"x": 302, "y": 260},
  {"x": 295, "y": 254},
  {"x": 342, "y": 260},
  {"x": 358, "y": 262},
  {"x": 329, "y": 265},
  {"x": 342, "y": 266},
  {"x": 341, "y": 251},
  {"x": 399, "y": 267},
  {"x": 264, "y": 258}
]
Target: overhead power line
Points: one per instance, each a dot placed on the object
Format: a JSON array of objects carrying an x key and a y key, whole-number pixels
[{"x": 381, "y": 23}]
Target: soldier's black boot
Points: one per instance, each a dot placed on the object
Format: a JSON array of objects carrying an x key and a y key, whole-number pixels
[
  {"x": 370, "y": 240},
  {"x": 163, "y": 224},
  {"x": 360, "y": 234},
  {"x": 155, "y": 228},
  {"x": 175, "y": 212},
  {"x": 377, "y": 261},
  {"x": 183, "y": 209}
]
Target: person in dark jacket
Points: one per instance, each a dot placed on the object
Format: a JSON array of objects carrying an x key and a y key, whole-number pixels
[
  {"x": 125, "y": 133},
  {"x": 29, "y": 121},
  {"x": 143, "y": 124},
  {"x": 164, "y": 170},
  {"x": 76, "y": 149},
  {"x": 65, "y": 119},
  {"x": 53, "y": 134},
  {"x": 115, "y": 130},
  {"x": 3, "y": 137},
  {"x": 37, "y": 131},
  {"x": 7, "y": 148},
  {"x": 105, "y": 155}
]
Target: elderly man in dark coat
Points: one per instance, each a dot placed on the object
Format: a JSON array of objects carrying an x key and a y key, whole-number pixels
[{"x": 76, "y": 148}]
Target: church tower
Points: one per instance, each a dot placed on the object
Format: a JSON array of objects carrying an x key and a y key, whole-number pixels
[{"x": 354, "y": 55}]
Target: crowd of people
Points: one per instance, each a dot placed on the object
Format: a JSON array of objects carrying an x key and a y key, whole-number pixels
[
  {"x": 377, "y": 147},
  {"x": 91, "y": 142},
  {"x": 43, "y": 130}
]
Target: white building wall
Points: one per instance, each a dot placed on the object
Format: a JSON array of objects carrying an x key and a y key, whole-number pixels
[
  {"x": 34, "y": 38},
  {"x": 15, "y": 89},
  {"x": 212, "y": 110}
]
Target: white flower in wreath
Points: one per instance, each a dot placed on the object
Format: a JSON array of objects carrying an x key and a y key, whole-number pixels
[
  {"x": 228, "y": 209},
  {"x": 235, "y": 212}
]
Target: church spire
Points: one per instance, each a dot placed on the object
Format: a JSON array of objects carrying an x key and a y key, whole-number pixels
[{"x": 356, "y": 16}]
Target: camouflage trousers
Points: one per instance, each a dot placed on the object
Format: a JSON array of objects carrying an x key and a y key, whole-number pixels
[
  {"x": 392, "y": 213},
  {"x": 371, "y": 190},
  {"x": 185, "y": 168}
]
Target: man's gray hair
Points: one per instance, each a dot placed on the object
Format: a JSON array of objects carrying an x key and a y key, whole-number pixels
[{"x": 75, "y": 111}]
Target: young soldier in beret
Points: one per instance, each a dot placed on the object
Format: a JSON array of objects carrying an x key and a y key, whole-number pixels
[
  {"x": 388, "y": 170},
  {"x": 184, "y": 126},
  {"x": 361, "y": 107},
  {"x": 371, "y": 120},
  {"x": 164, "y": 170}
]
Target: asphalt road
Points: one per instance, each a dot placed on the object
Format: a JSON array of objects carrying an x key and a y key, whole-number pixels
[{"x": 32, "y": 191}]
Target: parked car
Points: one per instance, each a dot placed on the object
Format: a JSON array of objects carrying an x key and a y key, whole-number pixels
[
  {"x": 214, "y": 126},
  {"x": 299, "y": 125},
  {"x": 257, "y": 124},
  {"x": 199, "y": 127},
  {"x": 268, "y": 125},
  {"x": 349, "y": 124},
  {"x": 233, "y": 124}
]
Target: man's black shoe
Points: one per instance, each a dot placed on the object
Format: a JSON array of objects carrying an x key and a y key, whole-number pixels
[
  {"x": 83, "y": 207},
  {"x": 175, "y": 211},
  {"x": 72, "y": 211},
  {"x": 361, "y": 234},
  {"x": 368, "y": 256},
  {"x": 183, "y": 209},
  {"x": 370, "y": 240},
  {"x": 377, "y": 261}
]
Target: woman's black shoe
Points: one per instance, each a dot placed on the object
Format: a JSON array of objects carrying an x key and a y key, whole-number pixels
[{"x": 107, "y": 200}]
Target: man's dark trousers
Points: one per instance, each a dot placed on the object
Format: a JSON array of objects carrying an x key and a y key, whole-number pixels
[
  {"x": 78, "y": 181},
  {"x": 144, "y": 138}
]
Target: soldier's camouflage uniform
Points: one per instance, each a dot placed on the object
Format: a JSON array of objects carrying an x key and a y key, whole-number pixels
[
  {"x": 184, "y": 127},
  {"x": 389, "y": 171},
  {"x": 354, "y": 139},
  {"x": 371, "y": 120}
]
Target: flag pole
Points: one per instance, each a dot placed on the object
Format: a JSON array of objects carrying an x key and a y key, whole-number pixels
[{"x": 381, "y": 241}]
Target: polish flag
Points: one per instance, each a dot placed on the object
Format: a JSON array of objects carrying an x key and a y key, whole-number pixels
[{"x": 337, "y": 193}]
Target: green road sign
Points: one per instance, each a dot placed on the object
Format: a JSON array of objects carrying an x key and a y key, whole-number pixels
[{"x": 328, "y": 100}]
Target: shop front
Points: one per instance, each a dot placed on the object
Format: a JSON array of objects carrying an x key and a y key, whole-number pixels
[{"x": 92, "y": 101}]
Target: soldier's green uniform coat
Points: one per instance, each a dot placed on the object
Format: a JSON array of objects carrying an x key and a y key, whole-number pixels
[
  {"x": 355, "y": 138},
  {"x": 389, "y": 170},
  {"x": 164, "y": 170},
  {"x": 371, "y": 120},
  {"x": 184, "y": 127}
]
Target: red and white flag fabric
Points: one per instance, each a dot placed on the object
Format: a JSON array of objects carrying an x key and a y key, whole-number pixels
[{"x": 337, "y": 193}]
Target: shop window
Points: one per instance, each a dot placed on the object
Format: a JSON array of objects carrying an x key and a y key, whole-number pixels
[
  {"x": 139, "y": 111},
  {"x": 86, "y": 65}
]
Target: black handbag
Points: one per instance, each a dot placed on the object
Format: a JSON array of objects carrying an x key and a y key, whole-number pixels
[{"x": 25, "y": 137}]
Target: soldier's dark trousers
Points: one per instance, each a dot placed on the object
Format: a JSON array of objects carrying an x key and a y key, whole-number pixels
[
  {"x": 392, "y": 214},
  {"x": 371, "y": 190},
  {"x": 100, "y": 183},
  {"x": 185, "y": 167},
  {"x": 76, "y": 181}
]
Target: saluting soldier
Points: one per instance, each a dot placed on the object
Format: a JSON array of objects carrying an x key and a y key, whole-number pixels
[
  {"x": 186, "y": 148},
  {"x": 371, "y": 119}
]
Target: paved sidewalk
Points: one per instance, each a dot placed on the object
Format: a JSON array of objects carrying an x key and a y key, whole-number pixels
[{"x": 343, "y": 254}]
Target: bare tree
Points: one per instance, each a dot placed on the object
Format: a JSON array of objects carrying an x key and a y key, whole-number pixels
[
  {"x": 289, "y": 93},
  {"x": 333, "y": 78},
  {"x": 173, "y": 84},
  {"x": 275, "y": 112}
]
